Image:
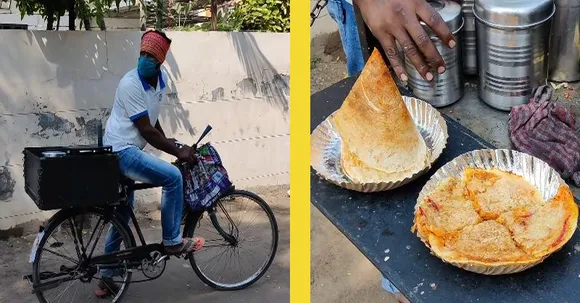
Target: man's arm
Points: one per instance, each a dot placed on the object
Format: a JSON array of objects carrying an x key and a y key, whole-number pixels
[
  {"x": 131, "y": 96},
  {"x": 155, "y": 136},
  {"x": 160, "y": 129},
  {"x": 157, "y": 139}
]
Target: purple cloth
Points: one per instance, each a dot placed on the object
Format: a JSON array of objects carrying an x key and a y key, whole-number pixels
[{"x": 546, "y": 130}]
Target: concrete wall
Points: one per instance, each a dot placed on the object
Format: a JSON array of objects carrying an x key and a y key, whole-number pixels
[
  {"x": 37, "y": 22},
  {"x": 55, "y": 87}
]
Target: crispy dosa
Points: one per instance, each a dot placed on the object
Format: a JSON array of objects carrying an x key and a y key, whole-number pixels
[
  {"x": 381, "y": 142},
  {"x": 493, "y": 219}
]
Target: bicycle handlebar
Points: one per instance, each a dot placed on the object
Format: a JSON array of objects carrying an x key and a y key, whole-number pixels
[
  {"x": 203, "y": 135},
  {"x": 205, "y": 132}
]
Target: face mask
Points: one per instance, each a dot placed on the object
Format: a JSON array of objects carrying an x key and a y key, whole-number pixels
[{"x": 147, "y": 67}]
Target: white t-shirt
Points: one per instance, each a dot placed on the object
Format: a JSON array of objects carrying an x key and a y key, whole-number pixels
[{"x": 134, "y": 99}]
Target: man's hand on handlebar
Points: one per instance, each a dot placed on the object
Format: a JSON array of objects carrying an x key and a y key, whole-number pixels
[
  {"x": 186, "y": 154},
  {"x": 393, "y": 21}
]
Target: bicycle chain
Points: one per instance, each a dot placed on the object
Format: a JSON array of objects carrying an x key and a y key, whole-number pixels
[{"x": 317, "y": 10}]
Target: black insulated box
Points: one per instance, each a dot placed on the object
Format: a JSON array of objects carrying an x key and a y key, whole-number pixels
[{"x": 80, "y": 176}]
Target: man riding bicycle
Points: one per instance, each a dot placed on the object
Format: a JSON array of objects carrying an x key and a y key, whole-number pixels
[{"x": 132, "y": 124}]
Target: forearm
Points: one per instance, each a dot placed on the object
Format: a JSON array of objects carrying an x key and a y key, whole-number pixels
[
  {"x": 160, "y": 129},
  {"x": 158, "y": 140}
]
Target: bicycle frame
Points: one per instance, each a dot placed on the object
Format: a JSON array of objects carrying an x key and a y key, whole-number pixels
[
  {"x": 134, "y": 255},
  {"x": 140, "y": 252}
]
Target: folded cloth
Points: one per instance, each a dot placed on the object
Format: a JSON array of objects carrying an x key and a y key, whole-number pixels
[{"x": 546, "y": 130}]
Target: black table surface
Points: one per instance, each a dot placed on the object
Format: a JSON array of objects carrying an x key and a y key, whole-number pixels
[{"x": 379, "y": 224}]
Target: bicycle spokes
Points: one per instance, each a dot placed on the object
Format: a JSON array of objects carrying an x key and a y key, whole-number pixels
[
  {"x": 230, "y": 233},
  {"x": 239, "y": 241},
  {"x": 63, "y": 271}
]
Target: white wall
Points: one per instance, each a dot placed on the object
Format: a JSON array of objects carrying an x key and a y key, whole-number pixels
[
  {"x": 37, "y": 22},
  {"x": 56, "y": 86}
]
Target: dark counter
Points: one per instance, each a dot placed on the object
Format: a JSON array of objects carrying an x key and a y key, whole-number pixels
[{"x": 379, "y": 224}]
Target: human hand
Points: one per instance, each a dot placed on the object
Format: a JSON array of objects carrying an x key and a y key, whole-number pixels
[
  {"x": 186, "y": 154},
  {"x": 393, "y": 21},
  {"x": 400, "y": 298}
]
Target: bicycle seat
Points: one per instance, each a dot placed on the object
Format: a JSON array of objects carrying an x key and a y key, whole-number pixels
[{"x": 135, "y": 185}]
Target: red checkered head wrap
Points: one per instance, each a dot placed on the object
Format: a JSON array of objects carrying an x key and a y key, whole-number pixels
[{"x": 156, "y": 45}]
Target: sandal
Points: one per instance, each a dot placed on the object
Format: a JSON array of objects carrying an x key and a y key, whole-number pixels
[
  {"x": 188, "y": 245},
  {"x": 106, "y": 287}
]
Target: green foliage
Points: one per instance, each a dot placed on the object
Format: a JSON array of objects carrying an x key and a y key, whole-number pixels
[
  {"x": 156, "y": 12},
  {"x": 223, "y": 25},
  {"x": 46, "y": 8},
  {"x": 181, "y": 10},
  {"x": 314, "y": 61},
  {"x": 54, "y": 9},
  {"x": 260, "y": 15}
]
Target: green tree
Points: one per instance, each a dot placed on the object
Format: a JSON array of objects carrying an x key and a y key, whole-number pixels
[
  {"x": 85, "y": 10},
  {"x": 261, "y": 15},
  {"x": 155, "y": 11},
  {"x": 214, "y": 13}
]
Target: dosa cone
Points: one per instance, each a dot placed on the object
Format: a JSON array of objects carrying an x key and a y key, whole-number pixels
[{"x": 380, "y": 139}]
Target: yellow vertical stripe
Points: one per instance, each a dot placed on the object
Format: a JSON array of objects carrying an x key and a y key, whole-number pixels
[{"x": 299, "y": 151}]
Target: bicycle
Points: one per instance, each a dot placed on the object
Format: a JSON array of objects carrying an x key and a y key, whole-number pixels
[{"x": 81, "y": 263}]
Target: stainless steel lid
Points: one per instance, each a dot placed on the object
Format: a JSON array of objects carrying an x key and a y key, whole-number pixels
[
  {"x": 513, "y": 13},
  {"x": 450, "y": 11},
  {"x": 467, "y": 7}
]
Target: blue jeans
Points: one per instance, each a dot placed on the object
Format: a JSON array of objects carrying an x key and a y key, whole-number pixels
[
  {"x": 388, "y": 286},
  {"x": 343, "y": 14},
  {"x": 140, "y": 166}
]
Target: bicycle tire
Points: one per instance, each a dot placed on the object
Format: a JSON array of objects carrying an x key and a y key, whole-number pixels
[
  {"x": 189, "y": 231},
  {"x": 57, "y": 220}
]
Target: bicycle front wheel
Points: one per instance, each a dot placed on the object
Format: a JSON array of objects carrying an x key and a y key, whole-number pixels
[{"x": 241, "y": 239}]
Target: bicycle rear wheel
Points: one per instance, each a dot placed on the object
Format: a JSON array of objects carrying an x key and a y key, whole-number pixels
[
  {"x": 237, "y": 264},
  {"x": 69, "y": 239}
]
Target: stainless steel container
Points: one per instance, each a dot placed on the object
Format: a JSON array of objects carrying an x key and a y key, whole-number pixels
[
  {"x": 564, "y": 58},
  {"x": 448, "y": 87},
  {"x": 469, "y": 46},
  {"x": 512, "y": 47}
]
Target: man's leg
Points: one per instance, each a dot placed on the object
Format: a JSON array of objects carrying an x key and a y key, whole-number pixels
[
  {"x": 113, "y": 238},
  {"x": 388, "y": 286},
  {"x": 351, "y": 41},
  {"x": 343, "y": 14},
  {"x": 141, "y": 166}
]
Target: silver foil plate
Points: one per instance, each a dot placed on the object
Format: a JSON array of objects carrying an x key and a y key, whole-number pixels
[
  {"x": 325, "y": 148},
  {"x": 534, "y": 170}
]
